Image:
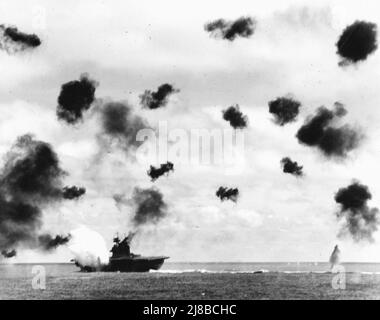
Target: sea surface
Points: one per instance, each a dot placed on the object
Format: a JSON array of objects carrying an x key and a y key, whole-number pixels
[{"x": 193, "y": 281}]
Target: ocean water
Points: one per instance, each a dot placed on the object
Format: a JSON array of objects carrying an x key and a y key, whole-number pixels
[{"x": 193, "y": 281}]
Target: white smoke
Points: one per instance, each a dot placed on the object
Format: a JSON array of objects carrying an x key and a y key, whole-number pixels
[
  {"x": 88, "y": 247},
  {"x": 335, "y": 257}
]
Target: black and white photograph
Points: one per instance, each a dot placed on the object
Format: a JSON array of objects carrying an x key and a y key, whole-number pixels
[{"x": 189, "y": 150}]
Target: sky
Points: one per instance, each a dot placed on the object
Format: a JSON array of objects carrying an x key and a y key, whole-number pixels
[{"x": 129, "y": 47}]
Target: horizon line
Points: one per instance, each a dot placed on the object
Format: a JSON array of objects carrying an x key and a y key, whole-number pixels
[{"x": 210, "y": 262}]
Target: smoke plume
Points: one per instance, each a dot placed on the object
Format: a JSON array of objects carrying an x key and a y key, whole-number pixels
[
  {"x": 130, "y": 236},
  {"x": 335, "y": 257},
  {"x": 32, "y": 172},
  {"x": 47, "y": 242},
  {"x": 73, "y": 192},
  {"x": 156, "y": 99},
  {"x": 292, "y": 167},
  {"x": 150, "y": 206},
  {"x": 30, "y": 180},
  {"x": 75, "y": 98},
  {"x": 356, "y": 42},
  {"x": 121, "y": 124},
  {"x": 8, "y": 253},
  {"x": 360, "y": 221},
  {"x": 321, "y": 131},
  {"x": 224, "y": 193},
  {"x": 284, "y": 110},
  {"x": 12, "y": 40},
  {"x": 235, "y": 117},
  {"x": 229, "y": 30},
  {"x": 120, "y": 200},
  {"x": 155, "y": 173}
]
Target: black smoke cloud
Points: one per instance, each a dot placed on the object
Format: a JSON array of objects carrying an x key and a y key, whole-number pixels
[
  {"x": 73, "y": 192},
  {"x": 9, "y": 253},
  {"x": 150, "y": 206},
  {"x": 12, "y": 40},
  {"x": 30, "y": 180},
  {"x": 360, "y": 221},
  {"x": 235, "y": 117},
  {"x": 320, "y": 131},
  {"x": 121, "y": 124},
  {"x": 284, "y": 110},
  {"x": 156, "y": 99},
  {"x": 292, "y": 167},
  {"x": 75, "y": 98},
  {"x": 357, "y": 42},
  {"x": 47, "y": 242},
  {"x": 32, "y": 172},
  {"x": 155, "y": 173},
  {"x": 19, "y": 223},
  {"x": 229, "y": 30},
  {"x": 224, "y": 193}
]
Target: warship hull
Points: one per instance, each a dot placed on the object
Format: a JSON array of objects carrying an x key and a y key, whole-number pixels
[{"x": 127, "y": 264}]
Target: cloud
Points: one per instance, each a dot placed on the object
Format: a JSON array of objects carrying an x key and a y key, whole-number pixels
[
  {"x": 157, "y": 99},
  {"x": 292, "y": 167},
  {"x": 357, "y": 42},
  {"x": 47, "y": 242},
  {"x": 155, "y": 173},
  {"x": 360, "y": 221},
  {"x": 12, "y": 40},
  {"x": 224, "y": 193},
  {"x": 284, "y": 110},
  {"x": 119, "y": 123},
  {"x": 321, "y": 132},
  {"x": 75, "y": 98},
  {"x": 30, "y": 179},
  {"x": 32, "y": 171},
  {"x": 229, "y": 30},
  {"x": 235, "y": 117},
  {"x": 9, "y": 253},
  {"x": 73, "y": 192},
  {"x": 150, "y": 206}
]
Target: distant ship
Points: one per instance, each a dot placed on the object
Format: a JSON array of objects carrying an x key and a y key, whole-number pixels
[{"x": 124, "y": 260}]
